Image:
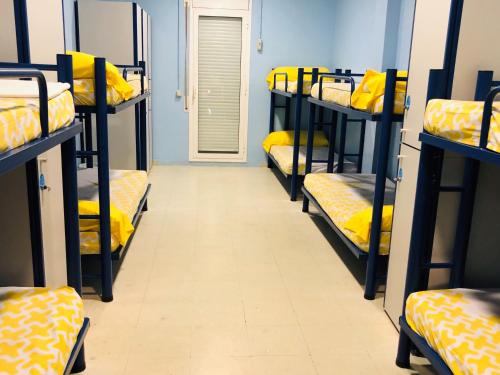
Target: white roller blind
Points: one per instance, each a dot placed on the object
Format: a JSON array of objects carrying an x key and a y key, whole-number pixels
[{"x": 219, "y": 84}]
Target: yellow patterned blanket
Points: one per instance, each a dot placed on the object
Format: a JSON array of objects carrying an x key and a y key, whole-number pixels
[
  {"x": 340, "y": 93},
  {"x": 292, "y": 75},
  {"x": 284, "y": 157},
  {"x": 126, "y": 191},
  {"x": 462, "y": 325},
  {"x": 85, "y": 91},
  {"x": 342, "y": 196},
  {"x": 460, "y": 121},
  {"x": 20, "y": 118},
  {"x": 38, "y": 329}
]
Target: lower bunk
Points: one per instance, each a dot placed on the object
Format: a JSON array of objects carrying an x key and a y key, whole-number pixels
[
  {"x": 458, "y": 330},
  {"x": 128, "y": 190},
  {"x": 41, "y": 330},
  {"x": 346, "y": 202}
]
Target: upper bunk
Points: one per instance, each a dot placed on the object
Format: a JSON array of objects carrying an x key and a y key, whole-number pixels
[
  {"x": 36, "y": 116},
  {"x": 100, "y": 83},
  {"x": 468, "y": 128},
  {"x": 291, "y": 82},
  {"x": 344, "y": 93}
]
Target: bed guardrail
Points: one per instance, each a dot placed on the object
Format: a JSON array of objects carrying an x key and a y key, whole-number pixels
[
  {"x": 42, "y": 92},
  {"x": 487, "y": 112}
]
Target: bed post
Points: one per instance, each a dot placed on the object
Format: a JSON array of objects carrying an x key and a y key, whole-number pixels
[
  {"x": 332, "y": 136},
  {"x": 271, "y": 123},
  {"x": 296, "y": 137},
  {"x": 343, "y": 134},
  {"x": 310, "y": 141},
  {"x": 380, "y": 181},
  {"x": 103, "y": 178},
  {"x": 361, "y": 148},
  {"x": 70, "y": 202}
]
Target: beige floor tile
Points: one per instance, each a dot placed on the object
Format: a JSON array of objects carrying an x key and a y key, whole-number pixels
[
  {"x": 143, "y": 364},
  {"x": 157, "y": 342},
  {"x": 221, "y": 365},
  {"x": 220, "y": 340},
  {"x": 276, "y": 340},
  {"x": 284, "y": 365}
]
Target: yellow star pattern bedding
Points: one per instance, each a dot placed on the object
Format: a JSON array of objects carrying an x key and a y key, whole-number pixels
[
  {"x": 342, "y": 196},
  {"x": 126, "y": 191},
  {"x": 460, "y": 121},
  {"x": 462, "y": 325},
  {"x": 20, "y": 118},
  {"x": 38, "y": 329}
]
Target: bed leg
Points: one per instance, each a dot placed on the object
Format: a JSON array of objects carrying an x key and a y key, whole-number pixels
[
  {"x": 305, "y": 204},
  {"x": 145, "y": 206},
  {"x": 269, "y": 162},
  {"x": 80, "y": 364},
  {"x": 404, "y": 345}
]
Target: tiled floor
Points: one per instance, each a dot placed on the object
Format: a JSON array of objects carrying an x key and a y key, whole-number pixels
[{"x": 227, "y": 276}]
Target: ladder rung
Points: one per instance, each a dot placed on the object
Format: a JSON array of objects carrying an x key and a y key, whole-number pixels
[
  {"x": 451, "y": 189},
  {"x": 439, "y": 265},
  {"x": 87, "y": 153},
  {"x": 89, "y": 217},
  {"x": 354, "y": 120},
  {"x": 280, "y": 106},
  {"x": 351, "y": 154},
  {"x": 320, "y": 161}
]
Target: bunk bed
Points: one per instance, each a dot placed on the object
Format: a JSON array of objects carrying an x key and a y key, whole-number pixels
[
  {"x": 111, "y": 201},
  {"x": 39, "y": 117},
  {"x": 456, "y": 329},
  {"x": 286, "y": 149},
  {"x": 358, "y": 207}
]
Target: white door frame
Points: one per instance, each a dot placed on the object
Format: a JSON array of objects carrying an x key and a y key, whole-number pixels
[{"x": 194, "y": 155}]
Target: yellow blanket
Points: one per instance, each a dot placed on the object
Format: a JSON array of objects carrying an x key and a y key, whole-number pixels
[
  {"x": 462, "y": 325},
  {"x": 38, "y": 329},
  {"x": 460, "y": 121},
  {"x": 293, "y": 74},
  {"x": 344, "y": 197},
  {"x": 285, "y": 138},
  {"x": 83, "y": 68},
  {"x": 126, "y": 190},
  {"x": 20, "y": 119},
  {"x": 372, "y": 87}
]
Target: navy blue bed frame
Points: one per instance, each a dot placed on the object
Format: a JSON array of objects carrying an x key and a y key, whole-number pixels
[
  {"x": 271, "y": 162},
  {"x": 429, "y": 189},
  {"x": 27, "y": 155},
  {"x": 386, "y": 121},
  {"x": 101, "y": 109}
]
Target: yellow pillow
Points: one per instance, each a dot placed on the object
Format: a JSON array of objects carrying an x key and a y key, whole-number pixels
[
  {"x": 83, "y": 68},
  {"x": 361, "y": 222},
  {"x": 285, "y": 138},
  {"x": 121, "y": 226},
  {"x": 372, "y": 87},
  {"x": 293, "y": 74}
]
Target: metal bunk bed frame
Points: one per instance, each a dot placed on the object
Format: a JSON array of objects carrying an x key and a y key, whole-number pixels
[
  {"x": 295, "y": 178},
  {"x": 27, "y": 155},
  {"x": 386, "y": 119},
  {"x": 426, "y": 203},
  {"x": 101, "y": 109}
]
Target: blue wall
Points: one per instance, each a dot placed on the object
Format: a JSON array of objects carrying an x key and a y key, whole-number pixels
[
  {"x": 307, "y": 24},
  {"x": 344, "y": 33}
]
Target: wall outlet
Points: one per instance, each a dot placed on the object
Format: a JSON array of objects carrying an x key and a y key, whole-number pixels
[
  {"x": 178, "y": 93},
  {"x": 260, "y": 45}
]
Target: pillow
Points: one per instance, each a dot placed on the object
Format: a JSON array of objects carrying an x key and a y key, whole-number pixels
[
  {"x": 83, "y": 68},
  {"x": 361, "y": 222},
  {"x": 285, "y": 138}
]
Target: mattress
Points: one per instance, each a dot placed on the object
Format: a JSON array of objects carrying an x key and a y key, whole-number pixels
[
  {"x": 340, "y": 93},
  {"x": 85, "y": 92},
  {"x": 20, "y": 118},
  {"x": 38, "y": 329},
  {"x": 127, "y": 188},
  {"x": 462, "y": 325},
  {"x": 284, "y": 157},
  {"x": 342, "y": 196},
  {"x": 293, "y": 87},
  {"x": 460, "y": 121}
]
